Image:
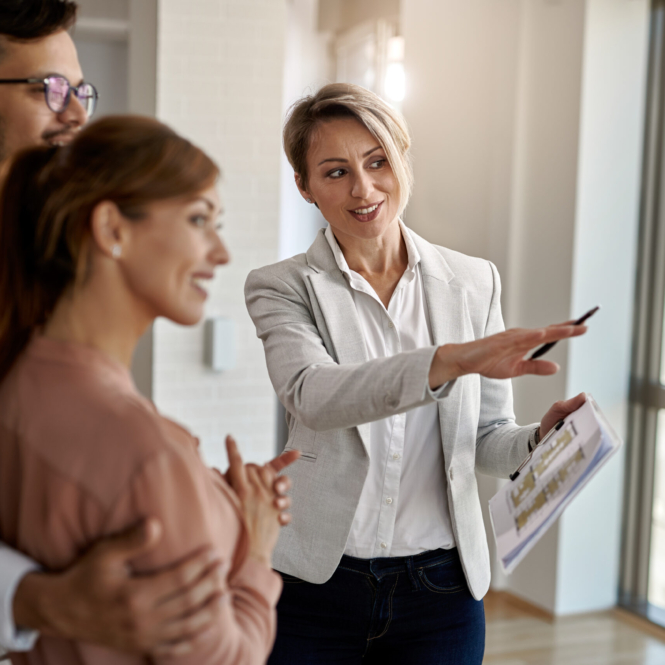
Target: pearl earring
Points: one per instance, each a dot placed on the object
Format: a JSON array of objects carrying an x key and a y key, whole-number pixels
[
  {"x": 308, "y": 200},
  {"x": 116, "y": 251}
]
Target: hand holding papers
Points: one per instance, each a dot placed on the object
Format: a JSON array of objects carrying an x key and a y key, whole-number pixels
[{"x": 564, "y": 462}]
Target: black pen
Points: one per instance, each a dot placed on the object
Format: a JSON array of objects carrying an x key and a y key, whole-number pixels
[
  {"x": 546, "y": 347},
  {"x": 554, "y": 429}
]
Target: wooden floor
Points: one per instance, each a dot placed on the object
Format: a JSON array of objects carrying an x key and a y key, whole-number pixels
[{"x": 519, "y": 634}]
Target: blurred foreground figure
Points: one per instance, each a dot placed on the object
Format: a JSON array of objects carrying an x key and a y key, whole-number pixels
[
  {"x": 97, "y": 239},
  {"x": 45, "y": 101},
  {"x": 43, "y": 97}
]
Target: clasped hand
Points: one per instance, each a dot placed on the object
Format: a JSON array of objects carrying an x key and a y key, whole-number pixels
[
  {"x": 261, "y": 493},
  {"x": 98, "y": 598}
]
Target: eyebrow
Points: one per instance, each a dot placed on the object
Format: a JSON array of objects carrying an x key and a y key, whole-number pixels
[
  {"x": 208, "y": 202},
  {"x": 340, "y": 159},
  {"x": 45, "y": 75}
]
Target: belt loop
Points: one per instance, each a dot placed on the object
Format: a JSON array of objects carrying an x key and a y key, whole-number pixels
[{"x": 411, "y": 570}]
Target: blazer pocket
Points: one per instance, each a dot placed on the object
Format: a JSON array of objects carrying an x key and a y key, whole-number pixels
[{"x": 308, "y": 457}]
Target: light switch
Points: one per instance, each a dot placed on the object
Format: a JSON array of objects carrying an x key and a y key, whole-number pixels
[{"x": 219, "y": 343}]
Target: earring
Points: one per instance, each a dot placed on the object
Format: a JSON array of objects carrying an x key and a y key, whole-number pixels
[
  {"x": 308, "y": 200},
  {"x": 116, "y": 251}
]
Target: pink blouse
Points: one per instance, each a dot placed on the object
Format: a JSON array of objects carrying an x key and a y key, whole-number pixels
[{"x": 83, "y": 455}]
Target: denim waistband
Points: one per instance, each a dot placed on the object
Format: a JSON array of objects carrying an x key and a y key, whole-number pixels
[{"x": 383, "y": 566}]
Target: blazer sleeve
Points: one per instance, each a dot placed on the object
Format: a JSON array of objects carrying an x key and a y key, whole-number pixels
[
  {"x": 319, "y": 392},
  {"x": 170, "y": 489},
  {"x": 501, "y": 444}
]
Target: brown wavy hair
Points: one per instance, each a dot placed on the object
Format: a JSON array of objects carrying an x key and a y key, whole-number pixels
[{"x": 48, "y": 198}]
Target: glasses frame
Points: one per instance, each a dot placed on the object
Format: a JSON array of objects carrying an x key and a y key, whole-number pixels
[{"x": 70, "y": 87}]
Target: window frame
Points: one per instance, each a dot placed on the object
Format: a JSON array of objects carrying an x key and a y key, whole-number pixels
[{"x": 647, "y": 393}]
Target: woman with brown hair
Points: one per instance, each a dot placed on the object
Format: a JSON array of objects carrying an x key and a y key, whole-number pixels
[{"x": 98, "y": 239}]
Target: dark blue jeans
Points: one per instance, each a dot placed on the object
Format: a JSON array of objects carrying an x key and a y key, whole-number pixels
[{"x": 414, "y": 610}]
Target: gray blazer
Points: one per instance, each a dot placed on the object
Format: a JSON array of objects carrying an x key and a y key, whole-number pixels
[{"x": 304, "y": 312}]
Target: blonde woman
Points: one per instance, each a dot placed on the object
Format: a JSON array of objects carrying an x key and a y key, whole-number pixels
[{"x": 390, "y": 358}]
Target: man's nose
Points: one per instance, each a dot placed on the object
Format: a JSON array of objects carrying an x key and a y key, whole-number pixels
[{"x": 75, "y": 114}]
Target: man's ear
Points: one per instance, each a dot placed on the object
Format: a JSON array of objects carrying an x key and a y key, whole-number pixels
[{"x": 108, "y": 229}]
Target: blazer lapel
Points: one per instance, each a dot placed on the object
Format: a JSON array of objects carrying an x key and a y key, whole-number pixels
[
  {"x": 334, "y": 297},
  {"x": 450, "y": 322}
]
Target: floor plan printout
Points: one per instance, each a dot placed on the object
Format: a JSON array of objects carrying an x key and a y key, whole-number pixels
[{"x": 523, "y": 509}]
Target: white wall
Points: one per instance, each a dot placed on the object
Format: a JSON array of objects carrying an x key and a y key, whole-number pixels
[
  {"x": 105, "y": 66},
  {"x": 219, "y": 82},
  {"x": 340, "y": 15},
  {"x": 101, "y": 38},
  {"x": 307, "y": 66},
  {"x": 527, "y": 125},
  {"x": 608, "y": 184},
  {"x": 116, "y": 42}
]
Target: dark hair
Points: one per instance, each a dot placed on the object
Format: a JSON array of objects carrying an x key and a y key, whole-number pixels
[
  {"x": 33, "y": 19},
  {"x": 49, "y": 196}
]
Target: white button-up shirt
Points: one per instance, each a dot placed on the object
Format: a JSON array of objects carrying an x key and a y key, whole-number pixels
[
  {"x": 13, "y": 568},
  {"x": 403, "y": 507}
]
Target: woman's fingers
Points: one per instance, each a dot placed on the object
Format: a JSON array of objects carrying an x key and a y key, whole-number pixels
[
  {"x": 237, "y": 473},
  {"x": 560, "y": 410},
  {"x": 284, "y": 518},
  {"x": 282, "y": 484},
  {"x": 566, "y": 331},
  {"x": 285, "y": 459},
  {"x": 539, "y": 367},
  {"x": 500, "y": 356},
  {"x": 554, "y": 333},
  {"x": 256, "y": 480}
]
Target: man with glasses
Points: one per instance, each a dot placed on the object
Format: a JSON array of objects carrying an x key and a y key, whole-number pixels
[{"x": 45, "y": 100}]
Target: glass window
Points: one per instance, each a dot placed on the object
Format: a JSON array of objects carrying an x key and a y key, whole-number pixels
[{"x": 656, "y": 592}]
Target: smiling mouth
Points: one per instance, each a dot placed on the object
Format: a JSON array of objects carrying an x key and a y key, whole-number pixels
[
  {"x": 60, "y": 138},
  {"x": 197, "y": 283},
  {"x": 368, "y": 213}
]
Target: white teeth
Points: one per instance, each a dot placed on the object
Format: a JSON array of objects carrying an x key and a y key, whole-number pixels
[
  {"x": 366, "y": 211},
  {"x": 198, "y": 281}
]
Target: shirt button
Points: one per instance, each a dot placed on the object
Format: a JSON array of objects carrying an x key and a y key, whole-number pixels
[
  {"x": 396, "y": 455},
  {"x": 389, "y": 500},
  {"x": 383, "y": 546},
  {"x": 391, "y": 324}
]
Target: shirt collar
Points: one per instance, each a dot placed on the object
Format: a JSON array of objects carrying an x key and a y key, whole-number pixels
[{"x": 411, "y": 250}]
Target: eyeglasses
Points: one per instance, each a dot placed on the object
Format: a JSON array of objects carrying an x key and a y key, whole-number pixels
[{"x": 58, "y": 91}]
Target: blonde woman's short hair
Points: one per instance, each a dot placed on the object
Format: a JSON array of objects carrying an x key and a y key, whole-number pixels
[{"x": 345, "y": 100}]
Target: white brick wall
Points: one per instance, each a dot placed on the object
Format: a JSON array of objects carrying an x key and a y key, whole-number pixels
[{"x": 220, "y": 72}]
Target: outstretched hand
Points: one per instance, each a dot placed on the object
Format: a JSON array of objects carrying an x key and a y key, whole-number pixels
[{"x": 500, "y": 356}]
